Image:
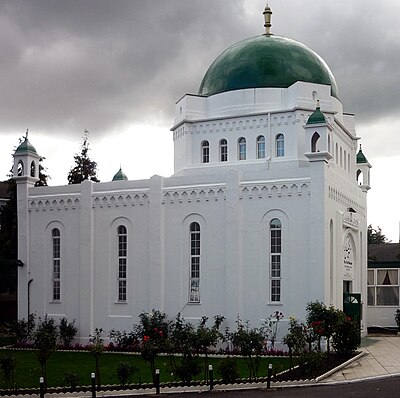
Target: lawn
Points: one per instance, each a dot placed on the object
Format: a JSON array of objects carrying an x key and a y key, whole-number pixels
[{"x": 83, "y": 364}]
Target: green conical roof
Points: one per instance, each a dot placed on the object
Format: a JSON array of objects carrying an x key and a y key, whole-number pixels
[
  {"x": 266, "y": 61},
  {"x": 361, "y": 157},
  {"x": 26, "y": 146},
  {"x": 120, "y": 175},
  {"x": 316, "y": 117}
]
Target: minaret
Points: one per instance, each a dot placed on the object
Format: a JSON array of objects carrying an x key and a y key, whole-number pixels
[
  {"x": 267, "y": 19},
  {"x": 25, "y": 174}
]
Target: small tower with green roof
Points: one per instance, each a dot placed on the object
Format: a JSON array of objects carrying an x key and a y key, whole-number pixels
[
  {"x": 120, "y": 175},
  {"x": 363, "y": 171},
  {"x": 318, "y": 136},
  {"x": 25, "y": 174},
  {"x": 26, "y": 162}
]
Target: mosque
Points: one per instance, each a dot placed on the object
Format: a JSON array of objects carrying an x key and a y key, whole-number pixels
[{"x": 266, "y": 209}]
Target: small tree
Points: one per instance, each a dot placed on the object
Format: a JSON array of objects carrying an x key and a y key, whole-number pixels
[
  {"x": 45, "y": 342},
  {"x": 96, "y": 349},
  {"x": 207, "y": 338},
  {"x": 182, "y": 339},
  {"x": 153, "y": 332},
  {"x": 271, "y": 327},
  {"x": 250, "y": 343},
  {"x": 375, "y": 235},
  {"x": 85, "y": 168},
  {"x": 68, "y": 331}
]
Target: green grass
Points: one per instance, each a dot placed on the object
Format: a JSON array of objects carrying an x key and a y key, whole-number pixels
[{"x": 83, "y": 364}]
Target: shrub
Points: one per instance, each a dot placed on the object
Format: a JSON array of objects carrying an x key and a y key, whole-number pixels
[
  {"x": 23, "y": 330},
  {"x": 346, "y": 336},
  {"x": 7, "y": 364},
  {"x": 187, "y": 368},
  {"x": 125, "y": 372},
  {"x": 397, "y": 319},
  {"x": 123, "y": 340},
  {"x": 67, "y": 332},
  {"x": 228, "y": 370},
  {"x": 96, "y": 348},
  {"x": 72, "y": 380}
]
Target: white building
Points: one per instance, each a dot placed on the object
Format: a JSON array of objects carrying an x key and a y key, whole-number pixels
[{"x": 263, "y": 213}]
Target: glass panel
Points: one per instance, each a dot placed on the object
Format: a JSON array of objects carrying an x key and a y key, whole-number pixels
[
  {"x": 388, "y": 295},
  {"x": 275, "y": 290},
  {"x": 387, "y": 277},
  {"x": 371, "y": 296},
  {"x": 275, "y": 266},
  {"x": 370, "y": 277},
  {"x": 260, "y": 147},
  {"x": 242, "y": 149},
  {"x": 223, "y": 150}
]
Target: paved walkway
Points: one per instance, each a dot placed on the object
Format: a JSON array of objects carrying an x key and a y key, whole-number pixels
[{"x": 382, "y": 358}]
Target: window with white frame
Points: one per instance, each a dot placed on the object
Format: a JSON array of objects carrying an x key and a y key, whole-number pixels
[
  {"x": 242, "y": 148},
  {"x": 280, "y": 145},
  {"x": 275, "y": 229},
  {"x": 122, "y": 262},
  {"x": 194, "y": 278},
  {"x": 260, "y": 147},
  {"x": 205, "y": 152},
  {"x": 383, "y": 287},
  {"x": 223, "y": 150},
  {"x": 56, "y": 263}
]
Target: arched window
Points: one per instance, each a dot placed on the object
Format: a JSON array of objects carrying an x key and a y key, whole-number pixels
[
  {"x": 280, "y": 145},
  {"x": 260, "y": 147},
  {"x": 33, "y": 169},
  {"x": 20, "y": 168},
  {"x": 56, "y": 264},
  {"x": 337, "y": 154},
  {"x": 275, "y": 229},
  {"x": 122, "y": 237},
  {"x": 242, "y": 148},
  {"x": 194, "y": 276},
  {"x": 205, "y": 152},
  {"x": 314, "y": 142},
  {"x": 341, "y": 157},
  {"x": 223, "y": 150}
]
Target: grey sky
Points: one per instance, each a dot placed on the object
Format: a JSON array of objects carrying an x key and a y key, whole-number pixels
[
  {"x": 111, "y": 65},
  {"x": 70, "y": 65}
]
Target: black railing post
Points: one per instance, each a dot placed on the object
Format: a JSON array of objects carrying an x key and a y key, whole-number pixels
[
  {"x": 211, "y": 377},
  {"x": 41, "y": 383},
  {"x": 157, "y": 380},
  {"x": 93, "y": 377},
  {"x": 269, "y": 375}
]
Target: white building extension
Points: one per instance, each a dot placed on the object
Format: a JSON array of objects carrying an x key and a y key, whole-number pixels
[{"x": 263, "y": 213}]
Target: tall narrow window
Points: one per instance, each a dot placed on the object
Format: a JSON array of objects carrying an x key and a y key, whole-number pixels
[
  {"x": 20, "y": 168},
  {"x": 33, "y": 169},
  {"x": 56, "y": 271},
  {"x": 223, "y": 150},
  {"x": 205, "y": 152},
  {"x": 280, "y": 145},
  {"x": 260, "y": 147},
  {"x": 275, "y": 260},
  {"x": 194, "y": 282},
  {"x": 122, "y": 261},
  {"x": 242, "y": 148},
  {"x": 314, "y": 142}
]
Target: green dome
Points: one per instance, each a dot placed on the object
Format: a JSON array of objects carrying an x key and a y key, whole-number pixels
[
  {"x": 120, "y": 175},
  {"x": 26, "y": 146},
  {"x": 266, "y": 61}
]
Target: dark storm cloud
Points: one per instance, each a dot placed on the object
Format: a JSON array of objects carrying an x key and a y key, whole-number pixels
[{"x": 70, "y": 65}]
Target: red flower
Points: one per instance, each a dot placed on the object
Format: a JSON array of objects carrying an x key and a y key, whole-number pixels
[{"x": 146, "y": 338}]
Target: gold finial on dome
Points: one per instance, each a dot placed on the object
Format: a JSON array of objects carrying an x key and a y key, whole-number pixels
[{"x": 267, "y": 18}]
